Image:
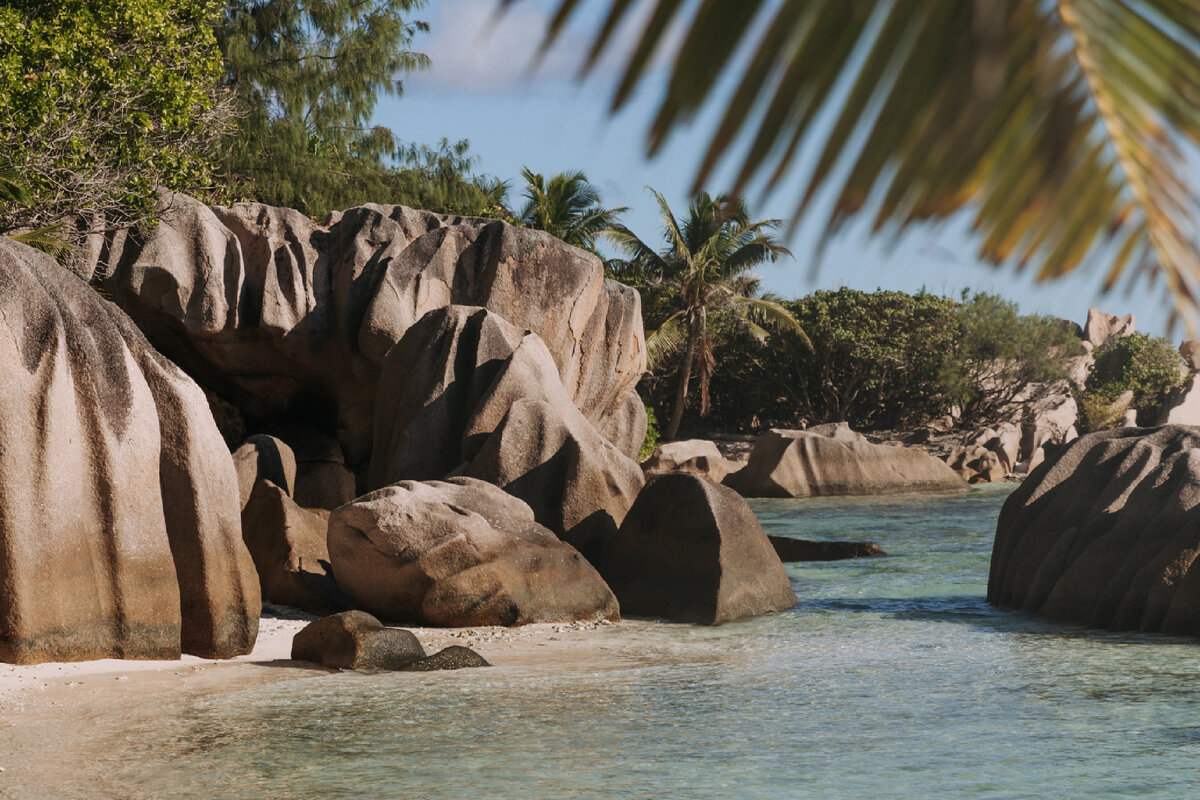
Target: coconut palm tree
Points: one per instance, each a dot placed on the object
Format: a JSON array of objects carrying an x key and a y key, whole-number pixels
[
  {"x": 708, "y": 261},
  {"x": 1068, "y": 129},
  {"x": 568, "y": 207}
]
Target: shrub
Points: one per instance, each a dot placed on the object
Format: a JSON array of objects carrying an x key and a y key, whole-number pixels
[{"x": 1145, "y": 365}]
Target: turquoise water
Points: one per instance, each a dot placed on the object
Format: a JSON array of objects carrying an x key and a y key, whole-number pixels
[{"x": 892, "y": 679}]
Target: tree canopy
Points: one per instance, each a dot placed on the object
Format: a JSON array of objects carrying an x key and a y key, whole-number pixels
[{"x": 103, "y": 102}]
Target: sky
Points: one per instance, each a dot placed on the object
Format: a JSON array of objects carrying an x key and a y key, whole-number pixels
[{"x": 483, "y": 87}]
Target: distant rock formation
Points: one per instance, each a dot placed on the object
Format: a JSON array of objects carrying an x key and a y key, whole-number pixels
[
  {"x": 119, "y": 503},
  {"x": 1106, "y": 533},
  {"x": 696, "y": 456},
  {"x": 1102, "y": 328},
  {"x": 692, "y": 551},
  {"x": 834, "y": 460}
]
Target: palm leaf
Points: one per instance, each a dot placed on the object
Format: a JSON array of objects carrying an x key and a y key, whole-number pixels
[
  {"x": 48, "y": 239},
  {"x": 666, "y": 339},
  {"x": 1064, "y": 128}
]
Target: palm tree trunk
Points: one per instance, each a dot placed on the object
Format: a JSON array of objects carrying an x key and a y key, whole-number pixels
[{"x": 685, "y": 374}]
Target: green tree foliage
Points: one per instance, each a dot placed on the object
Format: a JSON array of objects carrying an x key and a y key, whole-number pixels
[
  {"x": 1065, "y": 128},
  {"x": 568, "y": 207},
  {"x": 996, "y": 350},
  {"x": 1145, "y": 365},
  {"x": 707, "y": 265},
  {"x": 103, "y": 101},
  {"x": 876, "y": 358},
  {"x": 307, "y": 76}
]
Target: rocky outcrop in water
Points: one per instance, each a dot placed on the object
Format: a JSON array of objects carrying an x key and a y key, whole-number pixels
[
  {"x": 691, "y": 550},
  {"x": 284, "y": 317},
  {"x": 119, "y": 503},
  {"x": 1106, "y": 533},
  {"x": 460, "y": 552},
  {"x": 789, "y": 549},
  {"x": 834, "y": 460}
]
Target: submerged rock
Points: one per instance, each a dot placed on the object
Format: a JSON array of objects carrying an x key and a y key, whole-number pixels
[
  {"x": 691, "y": 550},
  {"x": 834, "y": 460},
  {"x": 1106, "y": 533},
  {"x": 460, "y": 552},
  {"x": 789, "y": 549},
  {"x": 119, "y": 505}
]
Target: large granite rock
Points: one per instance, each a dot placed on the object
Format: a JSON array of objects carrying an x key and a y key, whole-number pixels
[
  {"x": 286, "y": 317},
  {"x": 693, "y": 551},
  {"x": 466, "y": 392},
  {"x": 1182, "y": 406},
  {"x": 119, "y": 507},
  {"x": 834, "y": 460},
  {"x": 1106, "y": 533},
  {"x": 457, "y": 553},
  {"x": 288, "y": 545}
]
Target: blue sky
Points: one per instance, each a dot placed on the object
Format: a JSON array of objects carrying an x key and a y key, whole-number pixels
[{"x": 481, "y": 88}]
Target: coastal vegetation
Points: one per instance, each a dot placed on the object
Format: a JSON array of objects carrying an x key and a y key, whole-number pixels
[{"x": 1147, "y": 367}]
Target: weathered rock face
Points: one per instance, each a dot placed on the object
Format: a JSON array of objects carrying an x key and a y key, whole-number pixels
[
  {"x": 1183, "y": 405},
  {"x": 1190, "y": 350},
  {"x": 988, "y": 455},
  {"x": 467, "y": 392},
  {"x": 356, "y": 640},
  {"x": 833, "y": 460},
  {"x": 1103, "y": 328},
  {"x": 264, "y": 458},
  {"x": 285, "y": 317},
  {"x": 1106, "y": 533},
  {"x": 693, "y": 551},
  {"x": 696, "y": 456},
  {"x": 119, "y": 528},
  {"x": 288, "y": 545},
  {"x": 460, "y": 552}
]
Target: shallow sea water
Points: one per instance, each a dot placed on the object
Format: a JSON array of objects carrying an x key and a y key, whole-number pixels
[{"x": 891, "y": 679}]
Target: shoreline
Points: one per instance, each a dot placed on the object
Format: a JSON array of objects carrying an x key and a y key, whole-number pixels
[{"x": 40, "y": 692}]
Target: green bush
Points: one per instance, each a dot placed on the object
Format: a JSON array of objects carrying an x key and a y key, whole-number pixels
[
  {"x": 996, "y": 351},
  {"x": 650, "y": 443},
  {"x": 1145, "y": 365}
]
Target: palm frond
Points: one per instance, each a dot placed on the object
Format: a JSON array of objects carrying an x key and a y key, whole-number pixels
[
  {"x": 770, "y": 314},
  {"x": 666, "y": 339},
  {"x": 49, "y": 239},
  {"x": 1065, "y": 128}
]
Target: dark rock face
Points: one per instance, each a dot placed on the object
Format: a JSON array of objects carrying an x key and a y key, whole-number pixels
[
  {"x": 834, "y": 460},
  {"x": 691, "y": 550},
  {"x": 1106, "y": 533},
  {"x": 458, "y": 553},
  {"x": 288, "y": 545},
  {"x": 453, "y": 657},
  {"x": 789, "y": 549},
  {"x": 119, "y": 528},
  {"x": 356, "y": 640},
  {"x": 264, "y": 458},
  {"x": 287, "y": 318}
]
